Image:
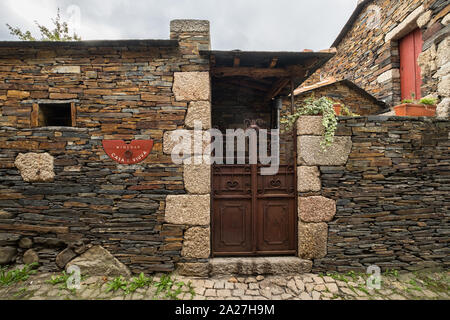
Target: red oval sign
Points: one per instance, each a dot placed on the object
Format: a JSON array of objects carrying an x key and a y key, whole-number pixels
[{"x": 123, "y": 153}]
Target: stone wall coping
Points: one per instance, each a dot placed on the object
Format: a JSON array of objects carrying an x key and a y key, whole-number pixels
[
  {"x": 189, "y": 25},
  {"x": 62, "y": 129},
  {"x": 392, "y": 118},
  {"x": 49, "y": 101}
]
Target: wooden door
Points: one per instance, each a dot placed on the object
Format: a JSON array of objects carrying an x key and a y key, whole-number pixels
[
  {"x": 410, "y": 75},
  {"x": 253, "y": 214}
]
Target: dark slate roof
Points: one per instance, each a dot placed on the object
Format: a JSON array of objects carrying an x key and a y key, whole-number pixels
[
  {"x": 351, "y": 21},
  {"x": 89, "y": 43}
]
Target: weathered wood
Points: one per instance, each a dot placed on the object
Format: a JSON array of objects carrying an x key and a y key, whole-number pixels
[
  {"x": 251, "y": 72},
  {"x": 273, "y": 63},
  {"x": 73, "y": 114},
  {"x": 212, "y": 60},
  {"x": 236, "y": 62},
  {"x": 35, "y": 116},
  {"x": 277, "y": 88},
  {"x": 250, "y": 84}
]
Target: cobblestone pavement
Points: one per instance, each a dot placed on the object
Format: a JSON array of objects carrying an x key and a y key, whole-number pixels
[{"x": 428, "y": 285}]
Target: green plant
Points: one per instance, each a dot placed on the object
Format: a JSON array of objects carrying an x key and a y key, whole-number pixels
[
  {"x": 392, "y": 272},
  {"x": 363, "y": 289},
  {"x": 62, "y": 281},
  {"x": 172, "y": 289},
  {"x": 118, "y": 283},
  {"x": 59, "y": 33},
  {"x": 164, "y": 284},
  {"x": 136, "y": 283},
  {"x": 428, "y": 101},
  {"x": 345, "y": 111},
  {"x": 337, "y": 276},
  {"x": 17, "y": 275},
  {"x": 322, "y": 106},
  {"x": 21, "y": 292}
]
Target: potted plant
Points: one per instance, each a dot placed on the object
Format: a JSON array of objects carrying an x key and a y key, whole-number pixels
[
  {"x": 324, "y": 107},
  {"x": 425, "y": 107}
]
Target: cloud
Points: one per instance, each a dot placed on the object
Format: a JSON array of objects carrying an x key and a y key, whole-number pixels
[{"x": 288, "y": 25}]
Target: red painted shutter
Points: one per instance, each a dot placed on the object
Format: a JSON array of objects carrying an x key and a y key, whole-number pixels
[
  {"x": 410, "y": 76},
  {"x": 418, "y": 44}
]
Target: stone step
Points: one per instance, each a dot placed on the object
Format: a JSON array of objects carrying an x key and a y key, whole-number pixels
[{"x": 258, "y": 266}]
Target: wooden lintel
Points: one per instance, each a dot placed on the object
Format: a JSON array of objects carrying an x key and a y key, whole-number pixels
[
  {"x": 273, "y": 63},
  {"x": 277, "y": 88},
  {"x": 250, "y": 84},
  {"x": 73, "y": 114},
  {"x": 35, "y": 115},
  {"x": 236, "y": 62},
  {"x": 257, "y": 73}
]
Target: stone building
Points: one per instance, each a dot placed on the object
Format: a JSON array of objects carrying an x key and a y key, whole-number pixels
[
  {"x": 395, "y": 48},
  {"x": 378, "y": 195},
  {"x": 346, "y": 93}
]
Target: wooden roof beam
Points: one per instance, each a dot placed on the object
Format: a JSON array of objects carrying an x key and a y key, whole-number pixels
[
  {"x": 257, "y": 73},
  {"x": 273, "y": 63},
  {"x": 277, "y": 88},
  {"x": 212, "y": 60},
  {"x": 236, "y": 62}
]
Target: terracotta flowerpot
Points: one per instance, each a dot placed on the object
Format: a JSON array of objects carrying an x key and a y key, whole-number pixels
[
  {"x": 415, "y": 110},
  {"x": 337, "y": 109}
]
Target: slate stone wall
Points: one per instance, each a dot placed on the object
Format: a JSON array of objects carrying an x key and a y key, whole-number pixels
[
  {"x": 91, "y": 199},
  {"x": 392, "y": 196},
  {"x": 119, "y": 92},
  {"x": 369, "y": 56}
]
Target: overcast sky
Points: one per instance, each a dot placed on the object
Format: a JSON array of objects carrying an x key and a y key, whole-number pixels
[{"x": 235, "y": 24}]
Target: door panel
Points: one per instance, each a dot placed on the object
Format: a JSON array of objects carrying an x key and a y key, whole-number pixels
[
  {"x": 275, "y": 225},
  {"x": 234, "y": 226},
  {"x": 253, "y": 214}
]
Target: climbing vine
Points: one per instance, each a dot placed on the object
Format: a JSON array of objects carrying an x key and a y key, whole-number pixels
[{"x": 311, "y": 107}]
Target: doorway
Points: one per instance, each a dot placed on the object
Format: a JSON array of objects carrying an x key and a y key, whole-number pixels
[{"x": 252, "y": 214}]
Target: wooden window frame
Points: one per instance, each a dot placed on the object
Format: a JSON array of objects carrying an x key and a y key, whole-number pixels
[{"x": 35, "y": 113}]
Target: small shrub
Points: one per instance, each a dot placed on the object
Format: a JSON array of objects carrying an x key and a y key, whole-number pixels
[
  {"x": 17, "y": 275},
  {"x": 137, "y": 283},
  {"x": 428, "y": 101},
  {"x": 118, "y": 283},
  {"x": 323, "y": 106}
]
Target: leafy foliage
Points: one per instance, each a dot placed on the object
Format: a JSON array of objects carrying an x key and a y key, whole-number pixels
[
  {"x": 62, "y": 280},
  {"x": 118, "y": 283},
  {"x": 59, "y": 33},
  {"x": 347, "y": 112},
  {"x": 323, "y": 106},
  {"x": 136, "y": 283},
  {"x": 426, "y": 101},
  {"x": 17, "y": 275},
  {"x": 166, "y": 286}
]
